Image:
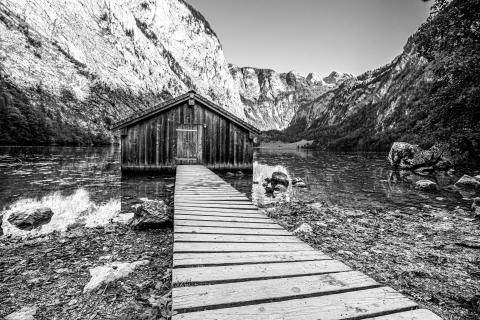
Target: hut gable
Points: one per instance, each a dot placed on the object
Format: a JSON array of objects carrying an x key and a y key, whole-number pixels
[
  {"x": 188, "y": 129},
  {"x": 191, "y": 95}
]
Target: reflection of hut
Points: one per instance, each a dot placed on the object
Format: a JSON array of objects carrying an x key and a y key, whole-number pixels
[{"x": 186, "y": 130}]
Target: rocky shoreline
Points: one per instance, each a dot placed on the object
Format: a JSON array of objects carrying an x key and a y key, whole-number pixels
[
  {"x": 408, "y": 159},
  {"x": 47, "y": 276},
  {"x": 114, "y": 271},
  {"x": 430, "y": 255}
]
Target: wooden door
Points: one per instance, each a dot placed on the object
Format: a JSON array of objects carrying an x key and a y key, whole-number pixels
[{"x": 189, "y": 144}]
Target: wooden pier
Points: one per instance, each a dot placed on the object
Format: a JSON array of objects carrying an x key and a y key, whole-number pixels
[{"x": 231, "y": 262}]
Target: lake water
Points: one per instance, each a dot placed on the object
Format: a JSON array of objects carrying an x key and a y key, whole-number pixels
[{"x": 85, "y": 185}]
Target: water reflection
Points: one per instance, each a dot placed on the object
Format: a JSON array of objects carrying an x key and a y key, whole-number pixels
[
  {"x": 355, "y": 180},
  {"x": 85, "y": 185},
  {"x": 82, "y": 186}
]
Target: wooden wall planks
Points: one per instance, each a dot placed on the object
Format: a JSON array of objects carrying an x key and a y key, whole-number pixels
[{"x": 151, "y": 144}]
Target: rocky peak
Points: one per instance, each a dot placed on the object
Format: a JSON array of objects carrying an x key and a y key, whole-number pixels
[
  {"x": 408, "y": 99},
  {"x": 334, "y": 77},
  {"x": 271, "y": 99},
  {"x": 313, "y": 78}
]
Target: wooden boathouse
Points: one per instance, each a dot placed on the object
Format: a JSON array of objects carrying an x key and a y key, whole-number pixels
[{"x": 188, "y": 129}]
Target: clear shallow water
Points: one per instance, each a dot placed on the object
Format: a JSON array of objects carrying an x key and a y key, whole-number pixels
[
  {"x": 356, "y": 180},
  {"x": 85, "y": 185},
  {"x": 80, "y": 185}
]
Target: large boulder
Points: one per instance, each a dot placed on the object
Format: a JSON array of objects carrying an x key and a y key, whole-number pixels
[
  {"x": 30, "y": 218},
  {"x": 151, "y": 214},
  {"x": 410, "y": 156},
  {"x": 279, "y": 177},
  {"x": 426, "y": 185},
  {"x": 467, "y": 182}
]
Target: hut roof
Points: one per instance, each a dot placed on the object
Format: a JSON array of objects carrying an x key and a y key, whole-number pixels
[{"x": 174, "y": 102}]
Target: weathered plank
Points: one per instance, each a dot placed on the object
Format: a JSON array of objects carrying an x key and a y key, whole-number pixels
[
  {"x": 219, "y": 230},
  {"x": 232, "y": 219},
  {"x": 348, "y": 305},
  {"x": 206, "y": 187},
  {"x": 237, "y": 197},
  {"x": 248, "y": 212},
  {"x": 209, "y": 193},
  {"x": 257, "y": 271},
  {"x": 220, "y": 200},
  {"x": 222, "y": 213},
  {"x": 238, "y": 247},
  {"x": 226, "y": 224},
  {"x": 224, "y": 258},
  {"x": 419, "y": 314},
  {"x": 237, "y": 205},
  {"x": 254, "y": 291},
  {"x": 233, "y": 238}
]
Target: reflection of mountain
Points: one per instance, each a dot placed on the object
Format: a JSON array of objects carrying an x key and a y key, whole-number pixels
[
  {"x": 303, "y": 153},
  {"x": 67, "y": 210}
]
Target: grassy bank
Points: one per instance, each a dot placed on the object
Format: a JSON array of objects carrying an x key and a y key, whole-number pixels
[{"x": 429, "y": 255}]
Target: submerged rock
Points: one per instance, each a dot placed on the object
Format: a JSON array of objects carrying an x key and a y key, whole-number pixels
[
  {"x": 467, "y": 182},
  {"x": 26, "y": 313},
  {"x": 279, "y": 177},
  {"x": 426, "y": 185},
  {"x": 152, "y": 214},
  {"x": 111, "y": 272},
  {"x": 30, "y": 218},
  {"x": 410, "y": 156},
  {"x": 304, "y": 228}
]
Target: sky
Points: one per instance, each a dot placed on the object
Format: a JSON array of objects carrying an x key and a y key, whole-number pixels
[{"x": 318, "y": 36}]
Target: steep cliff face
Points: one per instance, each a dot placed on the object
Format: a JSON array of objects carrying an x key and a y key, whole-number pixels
[
  {"x": 69, "y": 69},
  {"x": 271, "y": 99},
  {"x": 429, "y": 93},
  {"x": 356, "y": 93}
]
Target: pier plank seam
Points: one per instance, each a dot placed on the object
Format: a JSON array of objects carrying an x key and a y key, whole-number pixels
[{"x": 233, "y": 262}]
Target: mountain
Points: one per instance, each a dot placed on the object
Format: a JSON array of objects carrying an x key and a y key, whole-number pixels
[
  {"x": 68, "y": 71},
  {"x": 430, "y": 93},
  {"x": 271, "y": 99}
]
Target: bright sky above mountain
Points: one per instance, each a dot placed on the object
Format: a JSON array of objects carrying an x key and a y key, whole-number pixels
[{"x": 313, "y": 35}]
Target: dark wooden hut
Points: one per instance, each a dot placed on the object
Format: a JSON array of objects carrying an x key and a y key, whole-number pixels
[{"x": 188, "y": 129}]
